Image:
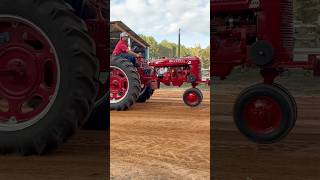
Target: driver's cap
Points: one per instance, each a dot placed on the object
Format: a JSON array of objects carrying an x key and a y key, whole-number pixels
[{"x": 124, "y": 34}]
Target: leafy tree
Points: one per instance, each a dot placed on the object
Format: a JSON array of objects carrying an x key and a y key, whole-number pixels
[
  {"x": 154, "y": 47},
  {"x": 170, "y": 49}
]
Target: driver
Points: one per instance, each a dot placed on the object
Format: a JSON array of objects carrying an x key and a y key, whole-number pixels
[{"x": 123, "y": 51}]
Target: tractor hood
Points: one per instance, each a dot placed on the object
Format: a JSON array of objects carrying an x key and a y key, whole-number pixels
[{"x": 174, "y": 61}]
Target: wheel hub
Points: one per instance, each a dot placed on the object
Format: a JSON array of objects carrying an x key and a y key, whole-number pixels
[
  {"x": 22, "y": 73},
  {"x": 192, "y": 98},
  {"x": 29, "y": 73},
  {"x": 262, "y": 114},
  {"x": 119, "y": 85}
]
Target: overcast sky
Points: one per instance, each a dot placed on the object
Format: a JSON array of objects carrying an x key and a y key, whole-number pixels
[{"x": 162, "y": 19}]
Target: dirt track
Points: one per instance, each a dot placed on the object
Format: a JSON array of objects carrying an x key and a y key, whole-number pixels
[
  {"x": 161, "y": 139},
  {"x": 83, "y": 157},
  {"x": 295, "y": 157}
]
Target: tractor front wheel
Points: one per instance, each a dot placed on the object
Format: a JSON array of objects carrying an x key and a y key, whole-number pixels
[
  {"x": 264, "y": 113},
  {"x": 192, "y": 97}
]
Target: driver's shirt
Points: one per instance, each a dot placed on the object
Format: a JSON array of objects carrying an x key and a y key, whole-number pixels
[{"x": 121, "y": 47}]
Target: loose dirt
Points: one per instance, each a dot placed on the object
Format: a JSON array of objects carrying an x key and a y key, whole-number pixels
[
  {"x": 161, "y": 139},
  {"x": 83, "y": 157}
]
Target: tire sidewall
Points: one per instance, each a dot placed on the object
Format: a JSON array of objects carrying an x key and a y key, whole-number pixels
[{"x": 293, "y": 102}]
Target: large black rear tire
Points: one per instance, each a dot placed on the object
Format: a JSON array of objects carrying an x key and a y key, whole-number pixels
[
  {"x": 130, "y": 73},
  {"x": 145, "y": 94},
  {"x": 79, "y": 69},
  {"x": 100, "y": 116},
  {"x": 84, "y": 10}
]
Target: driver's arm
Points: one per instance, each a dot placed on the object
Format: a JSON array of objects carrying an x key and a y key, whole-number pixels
[{"x": 133, "y": 53}]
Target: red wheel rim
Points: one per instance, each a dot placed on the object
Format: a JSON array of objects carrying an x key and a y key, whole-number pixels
[
  {"x": 119, "y": 84},
  {"x": 29, "y": 73},
  {"x": 262, "y": 115},
  {"x": 192, "y": 99}
]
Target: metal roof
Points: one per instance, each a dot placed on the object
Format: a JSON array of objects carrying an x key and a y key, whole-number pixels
[{"x": 119, "y": 26}]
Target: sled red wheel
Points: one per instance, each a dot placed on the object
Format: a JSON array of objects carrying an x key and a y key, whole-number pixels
[
  {"x": 30, "y": 73},
  {"x": 192, "y": 97},
  {"x": 119, "y": 85}
]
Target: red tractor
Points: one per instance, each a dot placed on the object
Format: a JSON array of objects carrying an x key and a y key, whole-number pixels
[
  {"x": 130, "y": 84},
  {"x": 176, "y": 72},
  {"x": 136, "y": 83},
  {"x": 53, "y": 70},
  {"x": 258, "y": 33}
]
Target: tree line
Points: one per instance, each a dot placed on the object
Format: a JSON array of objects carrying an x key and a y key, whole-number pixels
[{"x": 170, "y": 49}]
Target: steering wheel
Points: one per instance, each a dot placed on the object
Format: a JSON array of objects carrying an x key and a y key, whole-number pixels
[{"x": 135, "y": 48}]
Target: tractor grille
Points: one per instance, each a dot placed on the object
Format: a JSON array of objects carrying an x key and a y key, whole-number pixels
[{"x": 286, "y": 28}]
